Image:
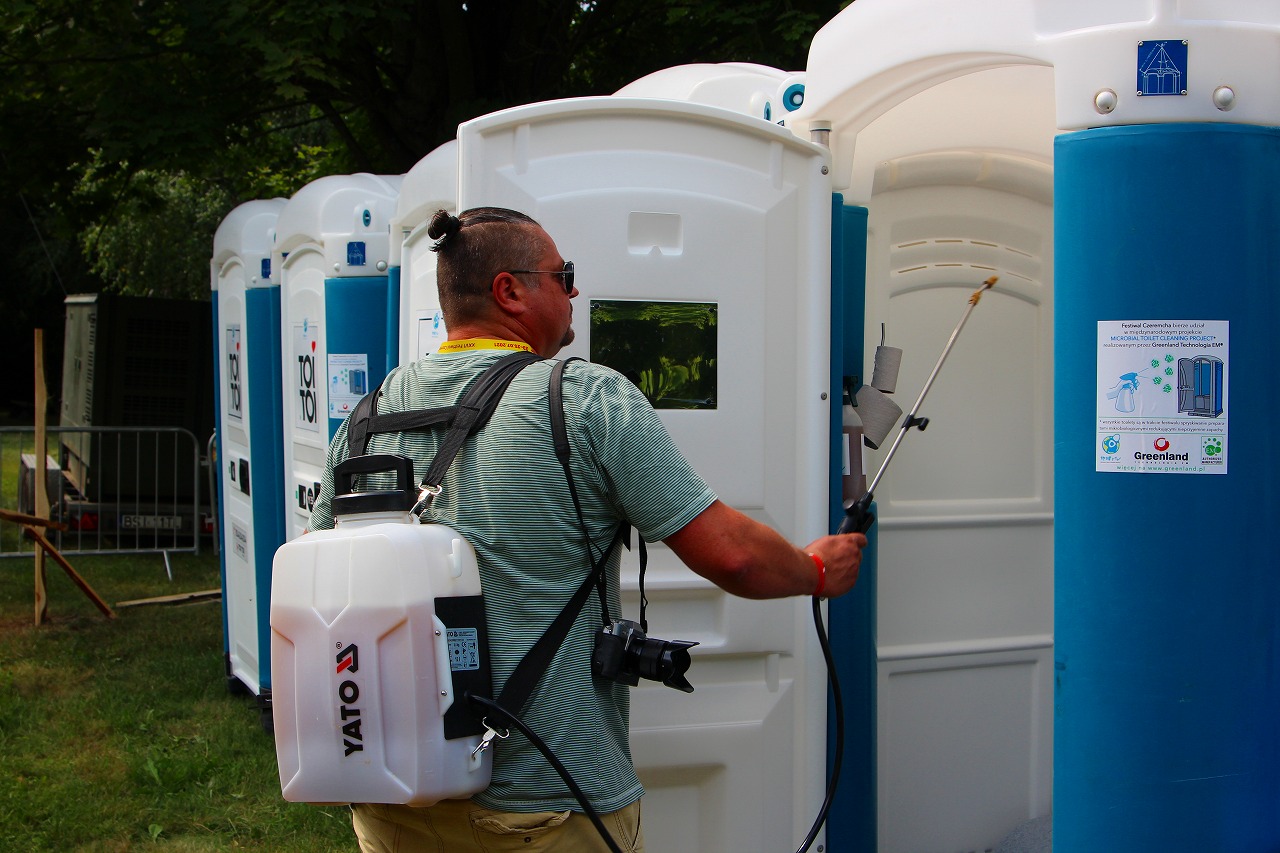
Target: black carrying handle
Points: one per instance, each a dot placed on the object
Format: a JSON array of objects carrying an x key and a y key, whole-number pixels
[{"x": 374, "y": 463}]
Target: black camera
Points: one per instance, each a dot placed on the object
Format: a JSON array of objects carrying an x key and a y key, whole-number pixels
[{"x": 624, "y": 654}]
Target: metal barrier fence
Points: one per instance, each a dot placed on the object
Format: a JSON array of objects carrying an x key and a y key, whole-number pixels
[{"x": 120, "y": 490}]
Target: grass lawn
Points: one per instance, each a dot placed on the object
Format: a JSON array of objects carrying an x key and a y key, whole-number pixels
[{"x": 122, "y": 735}]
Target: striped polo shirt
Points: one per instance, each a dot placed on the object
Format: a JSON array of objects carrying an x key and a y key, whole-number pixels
[{"x": 506, "y": 493}]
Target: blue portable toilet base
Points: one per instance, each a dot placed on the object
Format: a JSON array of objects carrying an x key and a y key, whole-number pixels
[{"x": 1167, "y": 601}]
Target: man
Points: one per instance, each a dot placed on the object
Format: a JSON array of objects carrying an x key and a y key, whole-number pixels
[{"x": 504, "y": 287}]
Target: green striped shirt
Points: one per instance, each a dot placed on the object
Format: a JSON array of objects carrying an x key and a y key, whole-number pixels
[{"x": 506, "y": 493}]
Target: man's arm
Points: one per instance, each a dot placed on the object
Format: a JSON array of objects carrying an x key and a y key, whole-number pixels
[{"x": 751, "y": 560}]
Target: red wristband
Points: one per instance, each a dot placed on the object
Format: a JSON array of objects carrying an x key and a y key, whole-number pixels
[{"x": 822, "y": 575}]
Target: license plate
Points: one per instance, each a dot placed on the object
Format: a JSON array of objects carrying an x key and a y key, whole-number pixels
[{"x": 151, "y": 522}]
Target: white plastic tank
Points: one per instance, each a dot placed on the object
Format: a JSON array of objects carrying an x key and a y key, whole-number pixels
[
  {"x": 339, "y": 323},
  {"x": 251, "y": 519},
  {"x": 431, "y": 185},
  {"x": 377, "y": 632}
]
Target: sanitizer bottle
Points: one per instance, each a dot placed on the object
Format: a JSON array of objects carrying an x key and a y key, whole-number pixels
[
  {"x": 377, "y": 636},
  {"x": 853, "y": 480}
]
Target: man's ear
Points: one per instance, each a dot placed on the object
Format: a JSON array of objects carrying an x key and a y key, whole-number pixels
[{"x": 509, "y": 293}]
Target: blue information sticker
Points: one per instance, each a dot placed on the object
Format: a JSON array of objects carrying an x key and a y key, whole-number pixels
[
  {"x": 1162, "y": 67},
  {"x": 355, "y": 253}
]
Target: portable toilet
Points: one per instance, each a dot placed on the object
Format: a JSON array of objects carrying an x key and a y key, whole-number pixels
[
  {"x": 250, "y": 434},
  {"x": 957, "y": 181},
  {"x": 337, "y": 320},
  {"x": 701, "y": 236},
  {"x": 1035, "y": 140},
  {"x": 431, "y": 185}
]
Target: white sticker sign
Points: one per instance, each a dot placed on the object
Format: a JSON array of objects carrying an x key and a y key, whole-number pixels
[
  {"x": 306, "y": 379},
  {"x": 348, "y": 382},
  {"x": 1162, "y": 396},
  {"x": 431, "y": 333}
]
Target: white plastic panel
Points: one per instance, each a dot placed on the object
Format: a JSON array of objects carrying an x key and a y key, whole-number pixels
[
  {"x": 242, "y": 242},
  {"x": 306, "y": 402},
  {"x": 431, "y": 185},
  {"x": 969, "y": 763},
  {"x": 313, "y": 235},
  {"x": 755, "y": 90},
  {"x": 991, "y": 116},
  {"x": 237, "y": 533},
  {"x": 245, "y": 637},
  {"x": 877, "y": 54},
  {"x": 966, "y": 511},
  {"x": 668, "y": 201}
]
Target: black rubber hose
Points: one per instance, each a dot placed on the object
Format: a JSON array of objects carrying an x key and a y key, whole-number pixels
[
  {"x": 825, "y": 642},
  {"x": 496, "y": 709}
]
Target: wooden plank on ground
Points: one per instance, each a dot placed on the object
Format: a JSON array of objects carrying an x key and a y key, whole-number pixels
[{"x": 180, "y": 598}]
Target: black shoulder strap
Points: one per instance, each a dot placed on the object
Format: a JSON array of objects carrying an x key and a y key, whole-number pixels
[
  {"x": 474, "y": 410},
  {"x": 470, "y": 414}
]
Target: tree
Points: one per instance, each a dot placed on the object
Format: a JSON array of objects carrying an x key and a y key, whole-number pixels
[{"x": 130, "y": 127}]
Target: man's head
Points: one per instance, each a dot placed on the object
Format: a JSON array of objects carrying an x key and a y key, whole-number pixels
[{"x": 499, "y": 265}]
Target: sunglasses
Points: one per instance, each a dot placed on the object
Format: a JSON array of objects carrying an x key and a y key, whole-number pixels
[{"x": 566, "y": 274}]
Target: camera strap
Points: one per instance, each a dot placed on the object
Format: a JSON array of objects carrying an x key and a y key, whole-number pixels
[
  {"x": 561, "y": 438},
  {"x": 525, "y": 677}
]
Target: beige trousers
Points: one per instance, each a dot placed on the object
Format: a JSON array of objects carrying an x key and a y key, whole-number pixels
[{"x": 455, "y": 826}]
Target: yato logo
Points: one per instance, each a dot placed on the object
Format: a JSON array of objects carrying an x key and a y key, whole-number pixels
[
  {"x": 1161, "y": 445},
  {"x": 348, "y": 661}
]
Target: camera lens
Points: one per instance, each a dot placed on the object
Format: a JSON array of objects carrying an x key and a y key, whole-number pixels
[{"x": 666, "y": 661}]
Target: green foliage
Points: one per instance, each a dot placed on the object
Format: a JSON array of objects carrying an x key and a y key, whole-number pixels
[
  {"x": 160, "y": 231},
  {"x": 128, "y": 126}
]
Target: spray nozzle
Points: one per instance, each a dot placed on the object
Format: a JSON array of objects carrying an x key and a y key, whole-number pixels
[{"x": 858, "y": 516}]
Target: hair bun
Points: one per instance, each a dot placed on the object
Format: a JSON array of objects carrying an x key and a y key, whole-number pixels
[{"x": 443, "y": 225}]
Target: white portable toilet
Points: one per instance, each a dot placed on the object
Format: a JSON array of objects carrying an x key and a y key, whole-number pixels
[
  {"x": 250, "y": 515},
  {"x": 743, "y": 87},
  {"x": 431, "y": 185},
  {"x": 713, "y": 227},
  {"x": 956, "y": 172},
  {"x": 338, "y": 319}
]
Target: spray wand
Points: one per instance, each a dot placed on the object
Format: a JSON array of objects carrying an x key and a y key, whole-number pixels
[{"x": 858, "y": 517}]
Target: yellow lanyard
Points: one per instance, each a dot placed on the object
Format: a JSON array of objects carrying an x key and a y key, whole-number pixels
[{"x": 477, "y": 344}]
